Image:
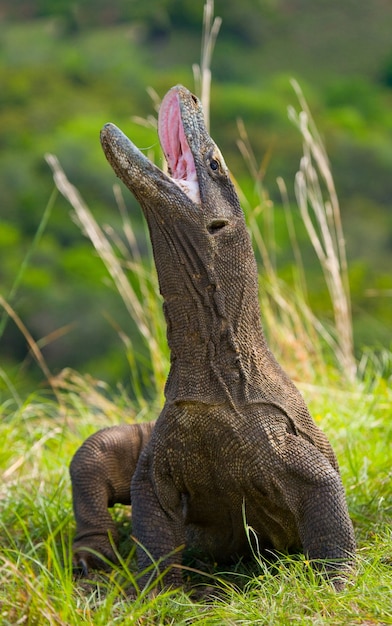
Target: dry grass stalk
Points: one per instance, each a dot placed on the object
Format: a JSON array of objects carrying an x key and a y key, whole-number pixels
[
  {"x": 294, "y": 331},
  {"x": 323, "y": 223},
  {"x": 33, "y": 345},
  {"x": 202, "y": 72},
  {"x": 137, "y": 309},
  {"x": 36, "y": 352},
  {"x": 264, "y": 206}
]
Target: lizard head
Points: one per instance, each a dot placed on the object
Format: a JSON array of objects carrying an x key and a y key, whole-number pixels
[
  {"x": 198, "y": 185},
  {"x": 194, "y": 208}
]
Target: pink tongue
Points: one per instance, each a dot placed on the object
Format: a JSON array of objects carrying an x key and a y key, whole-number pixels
[{"x": 173, "y": 140}]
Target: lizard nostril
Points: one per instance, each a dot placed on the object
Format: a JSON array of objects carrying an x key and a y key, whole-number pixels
[{"x": 216, "y": 225}]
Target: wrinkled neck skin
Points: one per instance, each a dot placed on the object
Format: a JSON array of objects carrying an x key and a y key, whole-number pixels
[
  {"x": 203, "y": 255},
  {"x": 213, "y": 321}
]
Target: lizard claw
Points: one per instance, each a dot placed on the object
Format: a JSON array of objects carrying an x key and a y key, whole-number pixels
[
  {"x": 80, "y": 568},
  {"x": 84, "y": 561}
]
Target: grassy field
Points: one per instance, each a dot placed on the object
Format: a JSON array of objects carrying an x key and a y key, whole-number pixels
[{"x": 39, "y": 434}]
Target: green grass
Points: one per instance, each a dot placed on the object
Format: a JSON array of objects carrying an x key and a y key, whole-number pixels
[{"x": 38, "y": 438}]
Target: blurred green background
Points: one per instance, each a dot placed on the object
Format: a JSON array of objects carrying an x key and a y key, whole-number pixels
[{"x": 67, "y": 67}]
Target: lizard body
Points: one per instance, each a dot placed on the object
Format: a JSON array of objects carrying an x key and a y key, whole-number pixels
[{"x": 235, "y": 437}]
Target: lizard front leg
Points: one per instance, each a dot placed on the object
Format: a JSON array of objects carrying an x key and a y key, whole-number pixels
[
  {"x": 314, "y": 492},
  {"x": 101, "y": 474},
  {"x": 157, "y": 523}
]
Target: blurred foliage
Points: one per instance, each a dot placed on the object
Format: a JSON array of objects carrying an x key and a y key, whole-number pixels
[{"x": 67, "y": 68}]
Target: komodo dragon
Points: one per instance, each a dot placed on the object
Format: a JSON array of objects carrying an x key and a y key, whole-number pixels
[{"x": 234, "y": 439}]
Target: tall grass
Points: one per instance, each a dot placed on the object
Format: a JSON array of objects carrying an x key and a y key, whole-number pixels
[
  {"x": 142, "y": 306},
  {"x": 325, "y": 230},
  {"x": 297, "y": 335},
  {"x": 283, "y": 308},
  {"x": 202, "y": 71}
]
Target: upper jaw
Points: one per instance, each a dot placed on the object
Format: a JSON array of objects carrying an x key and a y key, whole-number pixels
[{"x": 148, "y": 183}]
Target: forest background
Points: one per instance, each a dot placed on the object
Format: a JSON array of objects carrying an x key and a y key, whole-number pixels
[{"x": 66, "y": 68}]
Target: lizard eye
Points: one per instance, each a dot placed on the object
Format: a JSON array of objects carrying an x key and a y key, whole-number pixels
[
  {"x": 215, "y": 162},
  {"x": 216, "y": 225}
]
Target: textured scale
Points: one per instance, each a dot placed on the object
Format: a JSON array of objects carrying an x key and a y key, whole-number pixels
[{"x": 234, "y": 437}]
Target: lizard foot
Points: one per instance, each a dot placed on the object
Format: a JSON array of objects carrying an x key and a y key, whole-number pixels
[{"x": 86, "y": 559}]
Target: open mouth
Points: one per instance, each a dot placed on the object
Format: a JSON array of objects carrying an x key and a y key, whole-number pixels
[{"x": 175, "y": 146}]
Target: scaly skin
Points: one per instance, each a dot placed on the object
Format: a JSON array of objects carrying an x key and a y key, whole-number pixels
[
  {"x": 101, "y": 473},
  {"x": 234, "y": 434}
]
